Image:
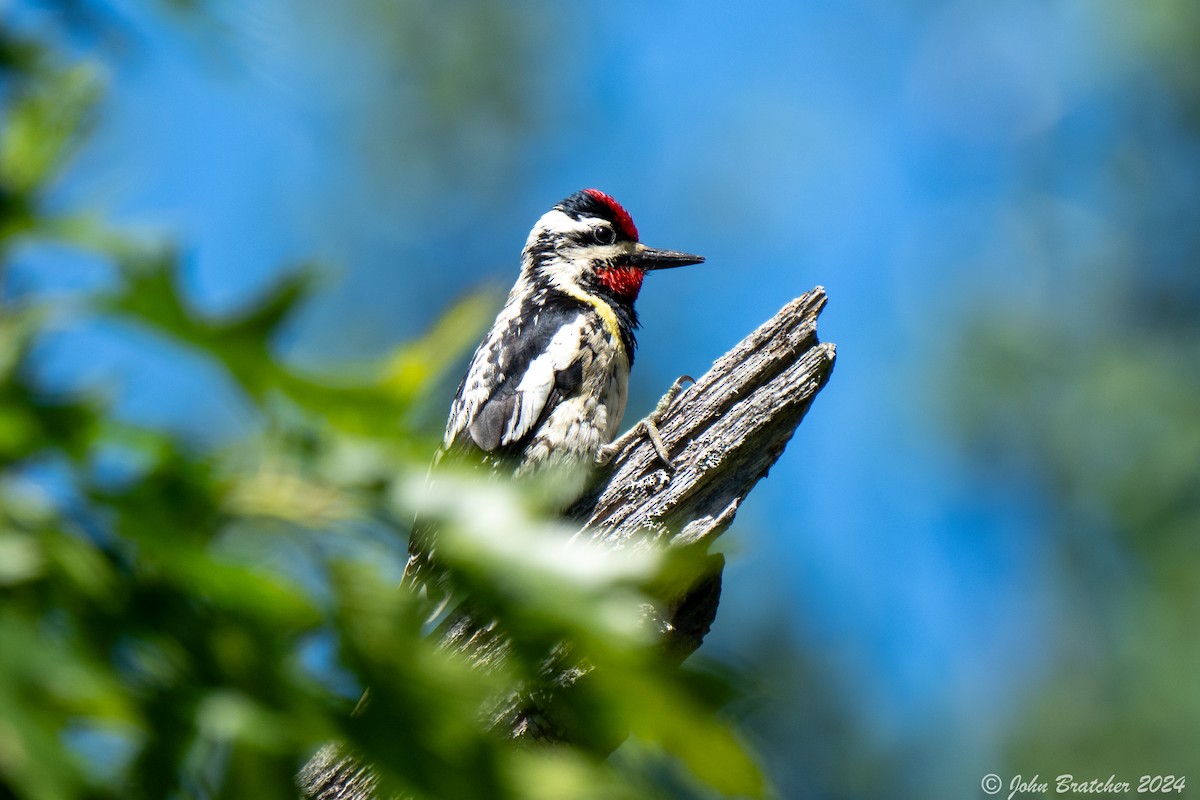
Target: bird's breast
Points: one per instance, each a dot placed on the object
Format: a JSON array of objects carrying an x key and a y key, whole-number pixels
[
  {"x": 608, "y": 382},
  {"x": 616, "y": 393}
]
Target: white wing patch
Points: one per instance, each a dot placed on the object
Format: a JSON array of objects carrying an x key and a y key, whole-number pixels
[{"x": 538, "y": 381}]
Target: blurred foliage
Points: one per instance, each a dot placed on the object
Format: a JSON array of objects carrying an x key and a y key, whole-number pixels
[
  {"x": 1167, "y": 33},
  {"x": 1097, "y": 404},
  {"x": 180, "y": 623}
]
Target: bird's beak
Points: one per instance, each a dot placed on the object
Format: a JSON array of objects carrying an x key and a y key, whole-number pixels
[{"x": 648, "y": 258}]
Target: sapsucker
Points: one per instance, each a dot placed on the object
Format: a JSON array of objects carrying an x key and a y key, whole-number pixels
[{"x": 549, "y": 382}]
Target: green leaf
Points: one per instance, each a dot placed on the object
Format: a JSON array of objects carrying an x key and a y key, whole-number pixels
[{"x": 42, "y": 123}]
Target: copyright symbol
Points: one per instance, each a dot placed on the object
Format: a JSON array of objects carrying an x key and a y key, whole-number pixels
[{"x": 991, "y": 783}]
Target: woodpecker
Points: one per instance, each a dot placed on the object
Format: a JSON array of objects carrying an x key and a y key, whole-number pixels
[{"x": 548, "y": 384}]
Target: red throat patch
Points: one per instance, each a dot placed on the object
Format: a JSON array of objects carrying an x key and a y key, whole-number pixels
[
  {"x": 622, "y": 281},
  {"x": 624, "y": 221}
]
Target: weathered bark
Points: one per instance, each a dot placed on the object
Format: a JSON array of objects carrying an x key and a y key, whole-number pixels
[{"x": 723, "y": 434}]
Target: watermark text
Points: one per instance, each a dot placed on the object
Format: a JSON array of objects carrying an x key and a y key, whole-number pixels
[{"x": 1020, "y": 785}]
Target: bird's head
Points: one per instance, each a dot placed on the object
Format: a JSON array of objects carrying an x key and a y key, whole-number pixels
[{"x": 589, "y": 243}]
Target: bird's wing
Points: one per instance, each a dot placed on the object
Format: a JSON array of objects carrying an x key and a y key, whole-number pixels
[{"x": 515, "y": 379}]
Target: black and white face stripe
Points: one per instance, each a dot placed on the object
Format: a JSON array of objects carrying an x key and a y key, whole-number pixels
[
  {"x": 567, "y": 251},
  {"x": 562, "y": 230}
]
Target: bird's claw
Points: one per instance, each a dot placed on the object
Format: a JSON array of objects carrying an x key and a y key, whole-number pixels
[
  {"x": 656, "y": 440},
  {"x": 649, "y": 426}
]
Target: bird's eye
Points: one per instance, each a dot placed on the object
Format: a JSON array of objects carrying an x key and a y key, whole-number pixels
[{"x": 604, "y": 235}]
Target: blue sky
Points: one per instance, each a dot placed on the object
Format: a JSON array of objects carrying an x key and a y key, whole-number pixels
[{"x": 888, "y": 151}]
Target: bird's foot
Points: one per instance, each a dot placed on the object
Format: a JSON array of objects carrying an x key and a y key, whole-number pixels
[{"x": 649, "y": 427}]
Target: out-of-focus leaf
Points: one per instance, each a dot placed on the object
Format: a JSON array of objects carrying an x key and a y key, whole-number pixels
[
  {"x": 243, "y": 344},
  {"x": 20, "y": 558},
  {"x": 660, "y": 713},
  {"x": 40, "y": 126},
  {"x": 291, "y": 498},
  {"x": 491, "y": 535},
  {"x": 560, "y": 774},
  {"x": 416, "y": 364}
]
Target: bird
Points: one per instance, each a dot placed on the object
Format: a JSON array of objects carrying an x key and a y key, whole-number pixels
[{"x": 547, "y": 386}]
